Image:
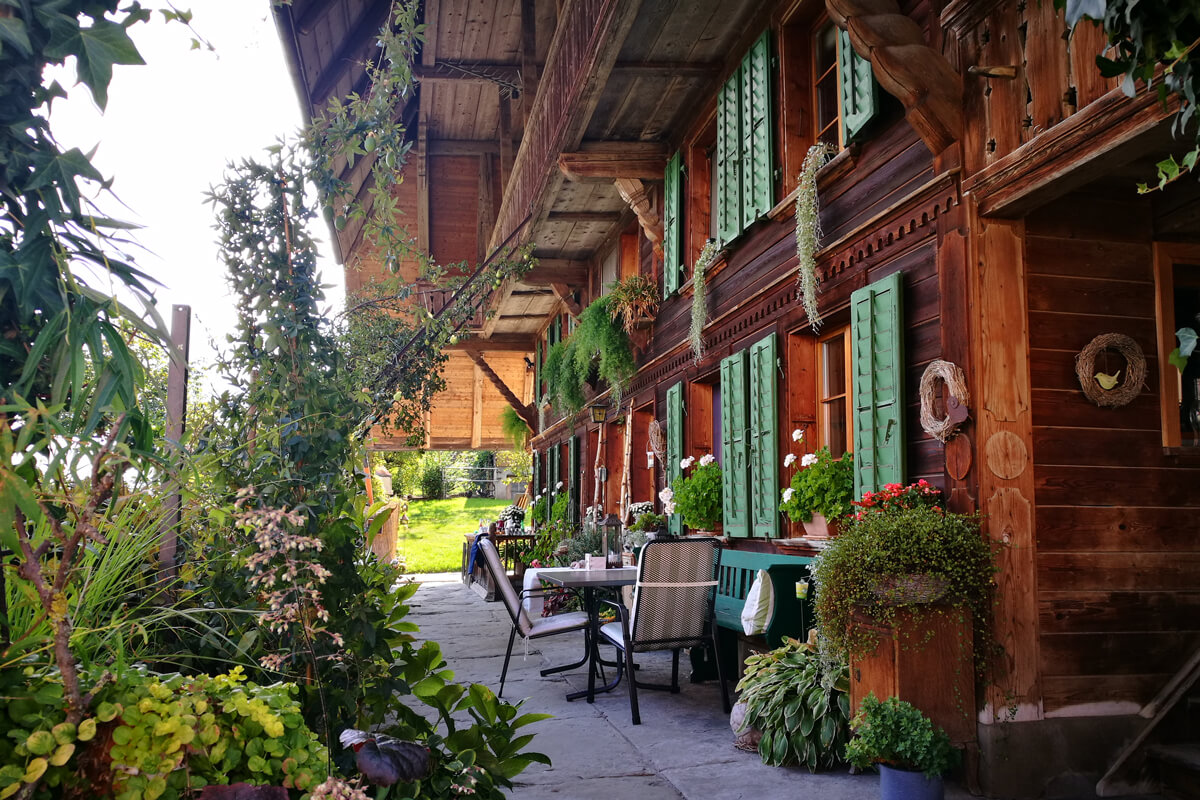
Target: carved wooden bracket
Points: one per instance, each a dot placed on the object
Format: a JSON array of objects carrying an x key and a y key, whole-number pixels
[
  {"x": 564, "y": 293},
  {"x": 905, "y": 66},
  {"x": 634, "y": 193}
]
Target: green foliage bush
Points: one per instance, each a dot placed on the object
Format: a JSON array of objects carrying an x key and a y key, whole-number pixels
[
  {"x": 896, "y": 733},
  {"x": 800, "y": 703},
  {"x": 698, "y": 497}
]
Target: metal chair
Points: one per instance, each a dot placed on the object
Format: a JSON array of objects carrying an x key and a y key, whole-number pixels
[
  {"x": 530, "y": 628},
  {"x": 672, "y": 609}
]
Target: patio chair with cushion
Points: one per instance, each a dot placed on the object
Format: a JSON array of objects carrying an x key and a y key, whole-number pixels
[
  {"x": 521, "y": 621},
  {"x": 672, "y": 609}
]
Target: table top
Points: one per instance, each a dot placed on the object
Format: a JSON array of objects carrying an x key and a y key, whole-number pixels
[{"x": 578, "y": 578}]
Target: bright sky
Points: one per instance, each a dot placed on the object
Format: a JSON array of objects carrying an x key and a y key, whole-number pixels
[{"x": 168, "y": 132}]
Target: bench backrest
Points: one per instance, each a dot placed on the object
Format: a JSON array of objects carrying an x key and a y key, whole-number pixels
[{"x": 793, "y": 615}]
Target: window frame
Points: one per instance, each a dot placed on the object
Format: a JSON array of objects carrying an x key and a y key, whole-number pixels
[
  {"x": 1168, "y": 255},
  {"x": 823, "y": 425}
]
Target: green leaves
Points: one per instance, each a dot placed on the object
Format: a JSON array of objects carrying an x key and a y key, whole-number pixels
[
  {"x": 1187, "y": 345},
  {"x": 96, "y": 50}
]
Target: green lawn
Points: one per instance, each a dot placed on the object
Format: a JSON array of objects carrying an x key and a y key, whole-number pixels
[{"x": 434, "y": 537}]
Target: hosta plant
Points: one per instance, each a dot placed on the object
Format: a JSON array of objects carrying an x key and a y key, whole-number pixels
[{"x": 798, "y": 699}]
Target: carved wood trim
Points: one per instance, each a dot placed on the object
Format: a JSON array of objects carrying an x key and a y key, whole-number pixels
[{"x": 634, "y": 193}]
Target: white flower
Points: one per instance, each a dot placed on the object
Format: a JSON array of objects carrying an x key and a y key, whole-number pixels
[
  {"x": 669, "y": 507},
  {"x": 808, "y": 460},
  {"x": 789, "y": 459},
  {"x": 797, "y": 435},
  {"x": 687, "y": 462},
  {"x": 666, "y": 494},
  {"x": 707, "y": 459},
  {"x": 558, "y": 486},
  {"x": 787, "y": 494}
]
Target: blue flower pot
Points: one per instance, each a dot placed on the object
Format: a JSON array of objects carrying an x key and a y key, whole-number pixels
[{"x": 900, "y": 784}]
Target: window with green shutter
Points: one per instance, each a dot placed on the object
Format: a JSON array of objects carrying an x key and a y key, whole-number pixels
[
  {"x": 860, "y": 92},
  {"x": 673, "y": 266},
  {"x": 537, "y": 475},
  {"x": 573, "y": 477},
  {"x": 877, "y": 358},
  {"x": 735, "y": 459},
  {"x": 745, "y": 165},
  {"x": 675, "y": 414},
  {"x": 764, "y": 439}
]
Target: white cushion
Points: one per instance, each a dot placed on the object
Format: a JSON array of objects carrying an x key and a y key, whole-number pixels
[
  {"x": 612, "y": 632},
  {"x": 760, "y": 605},
  {"x": 544, "y": 626}
]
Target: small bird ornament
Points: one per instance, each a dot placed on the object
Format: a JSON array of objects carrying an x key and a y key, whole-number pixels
[{"x": 383, "y": 760}]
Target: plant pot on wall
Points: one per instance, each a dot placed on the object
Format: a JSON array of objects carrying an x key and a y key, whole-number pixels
[
  {"x": 901, "y": 784},
  {"x": 820, "y": 528}
]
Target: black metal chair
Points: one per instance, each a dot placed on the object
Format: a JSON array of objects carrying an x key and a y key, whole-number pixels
[
  {"x": 521, "y": 621},
  {"x": 672, "y": 609}
]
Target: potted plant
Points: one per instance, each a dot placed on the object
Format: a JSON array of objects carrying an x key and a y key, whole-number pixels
[
  {"x": 697, "y": 497},
  {"x": 821, "y": 491},
  {"x": 912, "y": 754},
  {"x": 795, "y": 697},
  {"x": 634, "y": 302}
]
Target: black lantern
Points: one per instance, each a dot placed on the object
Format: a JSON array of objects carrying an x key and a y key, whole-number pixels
[
  {"x": 599, "y": 412},
  {"x": 611, "y": 527}
]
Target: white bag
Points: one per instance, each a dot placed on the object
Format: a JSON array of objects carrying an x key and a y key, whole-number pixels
[{"x": 760, "y": 605}]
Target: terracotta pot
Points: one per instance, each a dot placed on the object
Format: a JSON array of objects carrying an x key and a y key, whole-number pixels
[{"x": 820, "y": 528}]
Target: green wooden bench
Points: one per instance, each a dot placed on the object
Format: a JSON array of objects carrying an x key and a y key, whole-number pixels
[{"x": 793, "y": 616}]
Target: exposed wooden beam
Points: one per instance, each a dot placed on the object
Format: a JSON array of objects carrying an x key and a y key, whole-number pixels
[
  {"x": 523, "y": 411},
  {"x": 555, "y": 270},
  {"x": 565, "y": 294},
  {"x": 583, "y": 216},
  {"x": 423, "y": 242},
  {"x": 633, "y": 193},
  {"x": 667, "y": 69},
  {"x": 522, "y": 316},
  {"x": 605, "y": 161},
  {"x": 365, "y": 30},
  {"x": 504, "y": 133},
  {"x": 501, "y": 343},
  {"x": 529, "y": 70},
  {"x": 504, "y": 75},
  {"x": 463, "y": 147},
  {"x": 477, "y": 407},
  {"x": 314, "y": 12}
]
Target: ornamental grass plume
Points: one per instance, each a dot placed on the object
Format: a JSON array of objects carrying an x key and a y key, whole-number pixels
[
  {"x": 808, "y": 231},
  {"x": 700, "y": 297}
]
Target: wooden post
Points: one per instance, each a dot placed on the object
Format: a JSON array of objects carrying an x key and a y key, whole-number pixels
[{"x": 177, "y": 381}]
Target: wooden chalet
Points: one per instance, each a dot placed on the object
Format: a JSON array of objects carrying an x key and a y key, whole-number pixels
[{"x": 980, "y": 209}]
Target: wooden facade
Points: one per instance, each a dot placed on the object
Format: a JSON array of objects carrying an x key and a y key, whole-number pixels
[{"x": 980, "y": 209}]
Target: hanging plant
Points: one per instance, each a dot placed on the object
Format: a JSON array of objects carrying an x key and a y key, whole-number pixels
[
  {"x": 700, "y": 296},
  {"x": 515, "y": 429},
  {"x": 633, "y": 300},
  {"x": 808, "y": 232},
  {"x": 599, "y": 348}
]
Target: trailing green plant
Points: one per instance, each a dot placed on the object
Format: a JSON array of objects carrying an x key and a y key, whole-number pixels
[
  {"x": 823, "y": 485},
  {"x": 1187, "y": 345},
  {"x": 895, "y": 732},
  {"x": 1142, "y": 39},
  {"x": 537, "y": 512},
  {"x": 708, "y": 254},
  {"x": 634, "y": 299},
  {"x": 867, "y": 570},
  {"x": 697, "y": 497},
  {"x": 598, "y": 347},
  {"x": 648, "y": 522},
  {"x": 799, "y": 701},
  {"x": 808, "y": 231},
  {"x": 515, "y": 429}
]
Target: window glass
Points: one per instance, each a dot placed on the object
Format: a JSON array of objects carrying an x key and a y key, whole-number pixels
[
  {"x": 825, "y": 70},
  {"x": 833, "y": 395}
]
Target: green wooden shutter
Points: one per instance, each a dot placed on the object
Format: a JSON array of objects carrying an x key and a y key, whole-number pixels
[
  {"x": 860, "y": 92},
  {"x": 672, "y": 225},
  {"x": 537, "y": 375},
  {"x": 876, "y": 339},
  {"x": 674, "y": 446},
  {"x": 735, "y": 465},
  {"x": 764, "y": 442},
  {"x": 537, "y": 476},
  {"x": 573, "y": 479},
  {"x": 757, "y": 157},
  {"x": 552, "y": 479},
  {"x": 729, "y": 198}
]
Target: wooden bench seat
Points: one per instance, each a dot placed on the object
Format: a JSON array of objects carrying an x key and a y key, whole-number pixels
[{"x": 793, "y": 616}]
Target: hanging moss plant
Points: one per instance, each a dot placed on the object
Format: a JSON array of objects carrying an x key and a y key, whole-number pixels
[
  {"x": 514, "y": 428},
  {"x": 700, "y": 296},
  {"x": 808, "y": 232},
  {"x": 599, "y": 348}
]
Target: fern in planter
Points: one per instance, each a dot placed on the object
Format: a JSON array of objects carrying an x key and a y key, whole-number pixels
[
  {"x": 598, "y": 348},
  {"x": 700, "y": 296},
  {"x": 632, "y": 300}
]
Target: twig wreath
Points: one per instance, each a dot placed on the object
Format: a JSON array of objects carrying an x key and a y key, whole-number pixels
[
  {"x": 945, "y": 427},
  {"x": 1135, "y": 371}
]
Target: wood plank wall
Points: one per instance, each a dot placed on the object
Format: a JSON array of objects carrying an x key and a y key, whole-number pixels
[{"x": 1118, "y": 556}]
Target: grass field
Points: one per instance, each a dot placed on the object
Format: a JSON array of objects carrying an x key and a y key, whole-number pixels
[{"x": 433, "y": 540}]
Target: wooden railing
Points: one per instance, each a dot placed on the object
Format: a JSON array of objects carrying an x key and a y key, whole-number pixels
[
  {"x": 435, "y": 299},
  {"x": 581, "y": 55}
]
